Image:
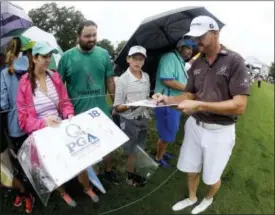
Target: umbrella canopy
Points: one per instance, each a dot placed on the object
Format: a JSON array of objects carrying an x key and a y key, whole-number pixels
[
  {"x": 159, "y": 34},
  {"x": 8, "y": 37},
  {"x": 29, "y": 37},
  {"x": 13, "y": 17}
]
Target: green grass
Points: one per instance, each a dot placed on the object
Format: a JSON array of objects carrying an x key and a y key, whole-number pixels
[{"x": 248, "y": 181}]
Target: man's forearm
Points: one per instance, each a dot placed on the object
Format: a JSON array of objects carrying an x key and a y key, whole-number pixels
[
  {"x": 225, "y": 107},
  {"x": 111, "y": 87},
  {"x": 173, "y": 84},
  {"x": 180, "y": 98}
]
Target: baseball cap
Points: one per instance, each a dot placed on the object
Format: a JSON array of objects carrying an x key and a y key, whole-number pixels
[
  {"x": 185, "y": 42},
  {"x": 137, "y": 50},
  {"x": 43, "y": 48},
  {"x": 201, "y": 25}
]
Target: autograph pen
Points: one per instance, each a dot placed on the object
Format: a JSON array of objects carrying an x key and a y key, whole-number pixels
[{"x": 162, "y": 92}]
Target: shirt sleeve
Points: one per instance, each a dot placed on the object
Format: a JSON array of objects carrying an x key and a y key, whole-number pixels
[
  {"x": 4, "y": 93},
  {"x": 109, "y": 70},
  {"x": 27, "y": 121},
  {"x": 120, "y": 96},
  {"x": 166, "y": 68},
  {"x": 190, "y": 86},
  {"x": 239, "y": 79}
]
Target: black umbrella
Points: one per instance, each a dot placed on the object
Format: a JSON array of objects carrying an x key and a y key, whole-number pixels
[{"x": 160, "y": 33}]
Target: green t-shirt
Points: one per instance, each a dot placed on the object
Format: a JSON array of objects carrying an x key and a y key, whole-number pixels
[
  {"x": 171, "y": 67},
  {"x": 85, "y": 75}
]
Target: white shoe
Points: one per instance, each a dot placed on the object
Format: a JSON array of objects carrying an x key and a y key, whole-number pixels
[
  {"x": 183, "y": 204},
  {"x": 202, "y": 206}
]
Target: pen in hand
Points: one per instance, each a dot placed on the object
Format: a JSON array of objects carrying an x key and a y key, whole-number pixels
[{"x": 161, "y": 103}]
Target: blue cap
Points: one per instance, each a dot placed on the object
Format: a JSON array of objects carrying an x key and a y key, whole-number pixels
[
  {"x": 43, "y": 48},
  {"x": 186, "y": 42}
]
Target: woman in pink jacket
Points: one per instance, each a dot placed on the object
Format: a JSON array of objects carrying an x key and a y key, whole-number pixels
[{"x": 42, "y": 100}]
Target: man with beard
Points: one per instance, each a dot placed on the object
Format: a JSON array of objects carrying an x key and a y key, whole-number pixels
[
  {"x": 216, "y": 93},
  {"x": 87, "y": 69}
]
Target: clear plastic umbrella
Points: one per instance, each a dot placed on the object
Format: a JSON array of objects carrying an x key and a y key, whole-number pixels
[{"x": 145, "y": 166}]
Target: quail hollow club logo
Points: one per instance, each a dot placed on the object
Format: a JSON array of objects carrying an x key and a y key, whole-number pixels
[{"x": 81, "y": 139}]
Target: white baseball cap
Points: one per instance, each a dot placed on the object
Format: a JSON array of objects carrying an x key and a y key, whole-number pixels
[
  {"x": 137, "y": 50},
  {"x": 201, "y": 25}
]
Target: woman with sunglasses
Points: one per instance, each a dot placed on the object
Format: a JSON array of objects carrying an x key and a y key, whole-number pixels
[{"x": 43, "y": 101}]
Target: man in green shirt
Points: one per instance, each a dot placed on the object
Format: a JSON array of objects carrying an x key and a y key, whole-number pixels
[{"x": 87, "y": 69}]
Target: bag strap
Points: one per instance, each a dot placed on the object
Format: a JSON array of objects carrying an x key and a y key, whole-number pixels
[
  {"x": 50, "y": 73},
  {"x": 51, "y": 99},
  {"x": 181, "y": 65}
]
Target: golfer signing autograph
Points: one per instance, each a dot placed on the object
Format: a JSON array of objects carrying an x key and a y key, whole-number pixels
[{"x": 216, "y": 93}]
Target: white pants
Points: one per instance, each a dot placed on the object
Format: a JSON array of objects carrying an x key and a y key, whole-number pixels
[{"x": 206, "y": 146}]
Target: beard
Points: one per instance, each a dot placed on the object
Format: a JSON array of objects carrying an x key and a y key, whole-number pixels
[
  {"x": 87, "y": 46},
  {"x": 207, "y": 46}
]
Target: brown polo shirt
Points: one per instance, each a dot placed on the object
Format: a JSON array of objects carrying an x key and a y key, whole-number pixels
[{"x": 222, "y": 80}]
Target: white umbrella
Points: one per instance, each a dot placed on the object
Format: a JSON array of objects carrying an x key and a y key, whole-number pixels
[{"x": 35, "y": 34}]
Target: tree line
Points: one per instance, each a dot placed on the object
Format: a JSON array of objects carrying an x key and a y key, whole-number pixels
[
  {"x": 62, "y": 22},
  {"x": 272, "y": 70}
]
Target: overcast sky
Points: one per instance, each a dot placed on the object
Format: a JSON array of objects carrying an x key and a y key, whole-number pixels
[{"x": 249, "y": 26}]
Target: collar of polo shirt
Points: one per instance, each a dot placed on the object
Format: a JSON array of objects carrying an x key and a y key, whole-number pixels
[
  {"x": 223, "y": 51},
  {"x": 133, "y": 78}
]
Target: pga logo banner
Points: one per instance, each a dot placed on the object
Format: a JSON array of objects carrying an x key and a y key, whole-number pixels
[{"x": 82, "y": 139}]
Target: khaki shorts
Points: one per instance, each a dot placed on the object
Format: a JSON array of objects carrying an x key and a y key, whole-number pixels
[
  {"x": 6, "y": 169},
  {"x": 136, "y": 130}
]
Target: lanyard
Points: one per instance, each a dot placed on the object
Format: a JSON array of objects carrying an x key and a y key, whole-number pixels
[{"x": 181, "y": 66}]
